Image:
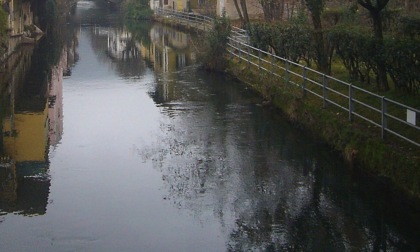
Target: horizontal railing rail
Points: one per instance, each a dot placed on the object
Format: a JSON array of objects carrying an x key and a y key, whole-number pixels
[
  {"x": 388, "y": 115},
  {"x": 201, "y": 22}
]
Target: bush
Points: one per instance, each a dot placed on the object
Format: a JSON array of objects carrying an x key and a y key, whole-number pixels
[
  {"x": 288, "y": 40},
  {"x": 261, "y": 35},
  {"x": 215, "y": 45},
  {"x": 402, "y": 60},
  {"x": 357, "y": 50},
  {"x": 294, "y": 42},
  {"x": 3, "y": 32},
  {"x": 137, "y": 9},
  {"x": 410, "y": 26}
]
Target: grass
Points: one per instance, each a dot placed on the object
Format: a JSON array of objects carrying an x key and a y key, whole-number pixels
[
  {"x": 366, "y": 106},
  {"x": 359, "y": 141},
  {"x": 393, "y": 160}
]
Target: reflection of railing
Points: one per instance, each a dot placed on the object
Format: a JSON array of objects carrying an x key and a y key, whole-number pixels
[{"x": 390, "y": 116}]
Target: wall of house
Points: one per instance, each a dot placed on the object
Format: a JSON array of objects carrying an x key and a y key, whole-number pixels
[{"x": 253, "y": 6}]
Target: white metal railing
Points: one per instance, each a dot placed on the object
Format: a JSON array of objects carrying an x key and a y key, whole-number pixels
[
  {"x": 200, "y": 22},
  {"x": 390, "y": 116}
]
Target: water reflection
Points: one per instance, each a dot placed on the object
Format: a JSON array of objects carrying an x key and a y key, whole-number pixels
[
  {"x": 167, "y": 52},
  {"x": 116, "y": 47},
  {"x": 272, "y": 188},
  {"x": 169, "y": 49},
  {"x": 156, "y": 150},
  {"x": 32, "y": 121}
]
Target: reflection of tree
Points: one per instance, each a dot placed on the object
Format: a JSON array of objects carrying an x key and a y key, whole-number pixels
[
  {"x": 329, "y": 216},
  {"x": 273, "y": 189},
  {"x": 139, "y": 30}
]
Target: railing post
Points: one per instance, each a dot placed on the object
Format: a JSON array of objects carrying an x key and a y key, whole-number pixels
[
  {"x": 383, "y": 117},
  {"x": 248, "y": 56},
  {"x": 272, "y": 64},
  {"x": 240, "y": 49},
  {"x": 231, "y": 49},
  {"x": 287, "y": 71},
  {"x": 324, "y": 91},
  {"x": 305, "y": 74},
  {"x": 259, "y": 59},
  {"x": 351, "y": 105}
]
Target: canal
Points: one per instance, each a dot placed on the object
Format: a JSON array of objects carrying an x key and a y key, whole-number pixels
[{"x": 124, "y": 144}]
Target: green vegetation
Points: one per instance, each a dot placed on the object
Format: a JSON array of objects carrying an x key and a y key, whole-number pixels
[
  {"x": 356, "y": 48},
  {"x": 139, "y": 30},
  {"x": 290, "y": 40},
  {"x": 137, "y": 9},
  {"x": 377, "y": 43},
  {"x": 49, "y": 15},
  {"x": 391, "y": 161},
  {"x": 3, "y": 31},
  {"x": 215, "y": 45},
  {"x": 352, "y": 53}
]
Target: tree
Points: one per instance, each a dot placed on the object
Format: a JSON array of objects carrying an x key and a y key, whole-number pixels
[
  {"x": 215, "y": 45},
  {"x": 137, "y": 9},
  {"x": 3, "y": 33},
  {"x": 316, "y": 7},
  {"x": 375, "y": 8},
  {"x": 273, "y": 9},
  {"x": 242, "y": 11}
]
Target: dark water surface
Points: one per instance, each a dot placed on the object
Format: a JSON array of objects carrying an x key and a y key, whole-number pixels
[{"x": 136, "y": 149}]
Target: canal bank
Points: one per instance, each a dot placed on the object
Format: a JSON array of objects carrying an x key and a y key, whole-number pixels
[
  {"x": 392, "y": 162},
  {"x": 153, "y": 154}
]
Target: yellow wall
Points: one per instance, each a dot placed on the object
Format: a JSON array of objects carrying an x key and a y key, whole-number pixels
[
  {"x": 30, "y": 142},
  {"x": 180, "y": 5}
]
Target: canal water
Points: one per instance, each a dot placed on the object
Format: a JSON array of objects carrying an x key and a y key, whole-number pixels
[{"x": 124, "y": 144}]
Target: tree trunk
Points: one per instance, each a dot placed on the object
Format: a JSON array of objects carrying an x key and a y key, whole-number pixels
[
  {"x": 244, "y": 11},
  {"x": 377, "y": 24},
  {"x": 239, "y": 11},
  {"x": 321, "y": 53},
  {"x": 382, "y": 79},
  {"x": 375, "y": 13}
]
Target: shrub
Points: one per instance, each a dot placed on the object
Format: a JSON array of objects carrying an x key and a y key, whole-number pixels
[
  {"x": 402, "y": 61},
  {"x": 215, "y": 45},
  {"x": 3, "y": 32},
  {"x": 357, "y": 50},
  {"x": 137, "y": 9},
  {"x": 288, "y": 40}
]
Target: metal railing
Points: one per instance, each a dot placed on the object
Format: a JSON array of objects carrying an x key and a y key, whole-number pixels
[
  {"x": 200, "y": 22},
  {"x": 378, "y": 111}
]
